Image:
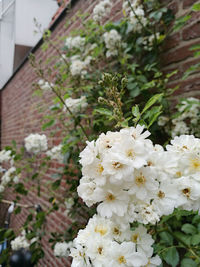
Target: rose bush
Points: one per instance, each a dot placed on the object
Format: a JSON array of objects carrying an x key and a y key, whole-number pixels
[{"x": 108, "y": 76}]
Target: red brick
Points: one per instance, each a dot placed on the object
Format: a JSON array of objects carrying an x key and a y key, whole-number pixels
[
  {"x": 172, "y": 41},
  {"x": 174, "y": 7},
  {"x": 176, "y": 55},
  {"x": 192, "y": 31},
  {"x": 188, "y": 3}
]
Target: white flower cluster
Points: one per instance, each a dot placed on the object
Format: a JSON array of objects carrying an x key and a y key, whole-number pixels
[
  {"x": 133, "y": 180},
  {"x": 56, "y": 153},
  {"x": 105, "y": 243},
  {"x": 187, "y": 120},
  {"x": 101, "y": 10},
  {"x": 45, "y": 85},
  {"x": 9, "y": 175},
  {"x": 76, "y": 42},
  {"x": 150, "y": 40},
  {"x": 189, "y": 110},
  {"x": 79, "y": 67},
  {"x": 21, "y": 241},
  {"x": 5, "y": 156},
  {"x": 112, "y": 40},
  {"x": 36, "y": 143},
  {"x": 62, "y": 249},
  {"x": 75, "y": 104},
  {"x": 136, "y": 17},
  {"x": 134, "y": 4},
  {"x": 69, "y": 202},
  {"x": 130, "y": 179}
]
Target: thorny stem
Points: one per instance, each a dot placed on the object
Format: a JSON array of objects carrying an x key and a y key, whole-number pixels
[
  {"x": 68, "y": 109},
  {"x": 58, "y": 51},
  {"x": 60, "y": 98}
]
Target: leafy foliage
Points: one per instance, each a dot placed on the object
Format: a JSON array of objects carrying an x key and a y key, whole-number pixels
[{"x": 121, "y": 91}]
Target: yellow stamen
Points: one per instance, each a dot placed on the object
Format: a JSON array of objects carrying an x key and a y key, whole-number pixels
[
  {"x": 161, "y": 194},
  {"x": 99, "y": 229},
  {"x": 116, "y": 231},
  {"x": 117, "y": 165},
  {"x": 195, "y": 164},
  {"x": 135, "y": 238},
  {"x": 130, "y": 153},
  {"x": 108, "y": 145},
  {"x": 121, "y": 259},
  {"x": 178, "y": 174},
  {"x": 140, "y": 180},
  {"x": 100, "y": 250},
  {"x": 100, "y": 168},
  {"x": 110, "y": 197},
  {"x": 186, "y": 192}
]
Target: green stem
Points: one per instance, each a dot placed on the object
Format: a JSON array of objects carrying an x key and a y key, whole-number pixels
[
  {"x": 58, "y": 52},
  {"x": 137, "y": 17},
  {"x": 63, "y": 102},
  {"x": 68, "y": 109},
  {"x": 184, "y": 244}
]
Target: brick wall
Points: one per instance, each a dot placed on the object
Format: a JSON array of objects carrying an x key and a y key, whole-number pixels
[
  {"x": 177, "y": 54},
  {"x": 20, "y": 110}
]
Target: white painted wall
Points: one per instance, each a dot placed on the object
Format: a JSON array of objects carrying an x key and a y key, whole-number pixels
[
  {"x": 17, "y": 27},
  {"x": 26, "y": 11},
  {"x": 7, "y": 43}
]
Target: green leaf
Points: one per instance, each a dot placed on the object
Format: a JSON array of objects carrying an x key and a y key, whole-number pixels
[
  {"x": 152, "y": 101},
  {"x": 56, "y": 175},
  {"x": 56, "y": 184},
  {"x": 196, "y": 219},
  {"x": 103, "y": 111},
  {"x": 198, "y": 227},
  {"x": 35, "y": 175},
  {"x": 171, "y": 257},
  {"x": 19, "y": 188},
  {"x": 195, "y": 47},
  {"x": 48, "y": 124},
  {"x": 154, "y": 118},
  {"x": 183, "y": 237},
  {"x": 158, "y": 13},
  {"x": 195, "y": 239},
  {"x": 153, "y": 114},
  {"x": 189, "y": 229},
  {"x": 196, "y": 7},
  {"x": 191, "y": 70},
  {"x": 55, "y": 107},
  {"x": 14, "y": 143},
  {"x": 188, "y": 263},
  {"x": 132, "y": 85},
  {"x": 135, "y": 92},
  {"x": 17, "y": 210},
  {"x": 180, "y": 22},
  {"x": 8, "y": 233},
  {"x": 136, "y": 111},
  {"x": 37, "y": 92},
  {"x": 197, "y": 54},
  {"x": 169, "y": 75},
  {"x": 166, "y": 238}
]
